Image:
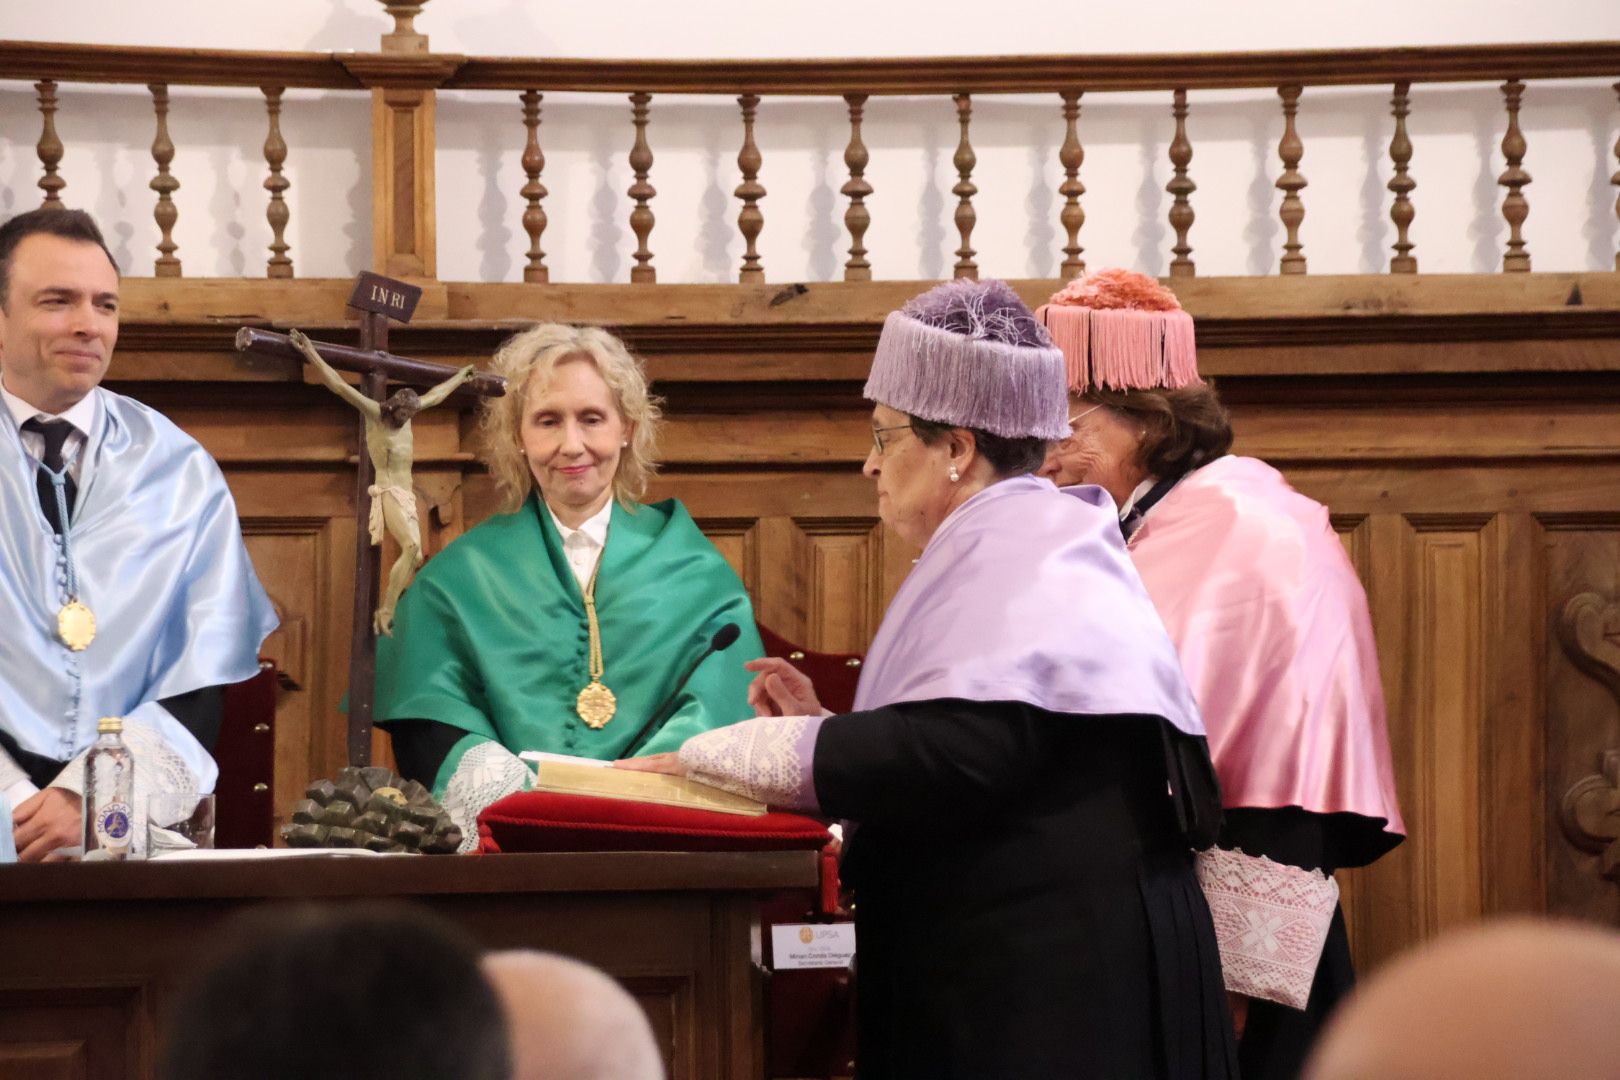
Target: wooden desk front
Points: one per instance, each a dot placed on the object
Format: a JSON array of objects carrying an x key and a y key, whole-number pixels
[{"x": 91, "y": 955}]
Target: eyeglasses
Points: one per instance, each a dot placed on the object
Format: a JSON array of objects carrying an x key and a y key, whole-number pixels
[
  {"x": 877, "y": 435},
  {"x": 1068, "y": 441}
]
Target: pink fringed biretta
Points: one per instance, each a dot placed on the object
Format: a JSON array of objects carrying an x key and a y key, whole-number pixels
[
  {"x": 1120, "y": 330},
  {"x": 971, "y": 354}
]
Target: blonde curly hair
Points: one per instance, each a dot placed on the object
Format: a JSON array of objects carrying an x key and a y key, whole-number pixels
[{"x": 534, "y": 354}]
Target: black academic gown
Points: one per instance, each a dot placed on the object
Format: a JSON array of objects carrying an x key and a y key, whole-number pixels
[
  {"x": 1277, "y": 1039},
  {"x": 1026, "y": 905}
]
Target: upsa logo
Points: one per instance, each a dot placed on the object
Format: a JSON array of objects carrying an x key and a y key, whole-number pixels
[{"x": 806, "y": 934}]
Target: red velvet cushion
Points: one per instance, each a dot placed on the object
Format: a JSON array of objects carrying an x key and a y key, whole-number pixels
[{"x": 551, "y": 821}]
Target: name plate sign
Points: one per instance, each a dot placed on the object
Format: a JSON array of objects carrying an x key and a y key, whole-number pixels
[
  {"x": 812, "y": 945},
  {"x": 385, "y": 296}
]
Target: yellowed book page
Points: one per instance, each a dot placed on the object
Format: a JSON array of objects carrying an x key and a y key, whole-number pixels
[{"x": 571, "y": 779}]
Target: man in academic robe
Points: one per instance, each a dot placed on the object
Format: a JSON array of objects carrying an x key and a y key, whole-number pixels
[{"x": 125, "y": 587}]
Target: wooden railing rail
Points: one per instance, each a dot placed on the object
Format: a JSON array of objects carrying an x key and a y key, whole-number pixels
[{"x": 404, "y": 78}]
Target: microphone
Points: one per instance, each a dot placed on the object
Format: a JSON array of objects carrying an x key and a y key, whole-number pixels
[{"x": 723, "y": 639}]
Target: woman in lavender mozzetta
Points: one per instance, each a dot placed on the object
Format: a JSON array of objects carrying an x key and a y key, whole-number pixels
[{"x": 1026, "y": 776}]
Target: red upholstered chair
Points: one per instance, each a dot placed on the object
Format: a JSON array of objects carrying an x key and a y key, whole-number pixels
[
  {"x": 244, "y": 802},
  {"x": 834, "y": 674}
]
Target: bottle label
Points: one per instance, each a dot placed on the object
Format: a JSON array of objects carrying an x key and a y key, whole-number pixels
[{"x": 112, "y": 825}]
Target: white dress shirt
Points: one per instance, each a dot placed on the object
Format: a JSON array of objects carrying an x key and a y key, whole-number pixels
[
  {"x": 584, "y": 545},
  {"x": 82, "y": 417}
]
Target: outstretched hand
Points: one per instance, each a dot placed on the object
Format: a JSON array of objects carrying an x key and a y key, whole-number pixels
[
  {"x": 780, "y": 689},
  {"x": 669, "y": 762}
]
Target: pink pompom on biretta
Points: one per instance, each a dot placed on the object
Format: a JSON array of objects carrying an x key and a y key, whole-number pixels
[
  {"x": 1114, "y": 289},
  {"x": 1121, "y": 330}
]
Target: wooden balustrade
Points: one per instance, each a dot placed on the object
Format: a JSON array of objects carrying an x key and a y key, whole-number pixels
[
  {"x": 1181, "y": 188},
  {"x": 1401, "y": 212},
  {"x": 641, "y": 218},
  {"x": 1515, "y": 207},
  {"x": 404, "y": 77},
  {"x": 1071, "y": 155},
  {"x": 534, "y": 215},
  {"x": 164, "y": 183},
  {"x": 751, "y": 219}
]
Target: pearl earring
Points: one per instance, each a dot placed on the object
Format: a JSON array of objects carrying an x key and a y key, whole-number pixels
[
  {"x": 625, "y": 443},
  {"x": 955, "y": 476}
]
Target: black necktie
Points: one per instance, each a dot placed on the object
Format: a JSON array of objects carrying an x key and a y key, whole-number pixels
[{"x": 55, "y": 433}]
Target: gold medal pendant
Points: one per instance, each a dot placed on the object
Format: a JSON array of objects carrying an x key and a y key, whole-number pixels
[
  {"x": 596, "y": 705},
  {"x": 76, "y": 626}
]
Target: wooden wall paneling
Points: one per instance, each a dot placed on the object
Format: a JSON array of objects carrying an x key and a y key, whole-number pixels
[
  {"x": 1512, "y": 818},
  {"x": 86, "y": 1032},
  {"x": 1355, "y": 532},
  {"x": 1447, "y": 644},
  {"x": 737, "y": 540},
  {"x": 1386, "y": 913},
  {"x": 1582, "y": 719},
  {"x": 844, "y": 572}
]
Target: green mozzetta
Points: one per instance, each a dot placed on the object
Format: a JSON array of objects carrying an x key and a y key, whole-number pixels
[{"x": 492, "y": 638}]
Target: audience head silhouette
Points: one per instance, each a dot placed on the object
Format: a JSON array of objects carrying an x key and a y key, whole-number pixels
[{"x": 371, "y": 992}]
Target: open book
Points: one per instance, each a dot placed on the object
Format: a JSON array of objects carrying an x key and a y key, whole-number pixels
[{"x": 588, "y": 776}]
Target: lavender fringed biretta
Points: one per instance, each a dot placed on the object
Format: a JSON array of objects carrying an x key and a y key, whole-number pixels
[{"x": 971, "y": 354}]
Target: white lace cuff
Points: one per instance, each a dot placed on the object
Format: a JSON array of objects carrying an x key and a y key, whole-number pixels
[
  {"x": 485, "y": 774},
  {"x": 158, "y": 768},
  {"x": 768, "y": 759},
  {"x": 1271, "y": 921}
]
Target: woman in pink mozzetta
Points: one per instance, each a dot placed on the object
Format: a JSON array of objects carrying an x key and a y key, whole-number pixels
[{"x": 1273, "y": 631}]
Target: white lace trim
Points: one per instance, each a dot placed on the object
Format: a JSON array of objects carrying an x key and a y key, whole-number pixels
[
  {"x": 1271, "y": 921},
  {"x": 485, "y": 774},
  {"x": 157, "y": 769},
  {"x": 758, "y": 759}
]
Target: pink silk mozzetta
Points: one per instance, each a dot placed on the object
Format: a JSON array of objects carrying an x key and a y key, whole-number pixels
[{"x": 1272, "y": 627}]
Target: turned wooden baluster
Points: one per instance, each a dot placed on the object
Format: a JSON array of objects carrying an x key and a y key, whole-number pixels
[
  {"x": 50, "y": 146},
  {"x": 1515, "y": 207},
  {"x": 964, "y": 189},
  {"x": 275, "y": 154},
  {"x": 1615, "y": 179},
  {"x": 856, "y": 218},
  {"x": 1291, "y": 149},
  {"x": 534, "y": 215},
  {"x": 1070, "y": 155},
  {"x": 751, "y": 220},
  {"x": 641, "y": 217},
  {"x": 165, "y": 185},
  {"x": 1402, "y": 212},
  {"x": 1181, "y": 186}
]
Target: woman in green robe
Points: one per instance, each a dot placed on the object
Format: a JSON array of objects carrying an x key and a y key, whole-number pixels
[{"x": 572, "y": 618}]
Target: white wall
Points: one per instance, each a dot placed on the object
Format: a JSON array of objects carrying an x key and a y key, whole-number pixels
[{"x": 1571, "y": 128}]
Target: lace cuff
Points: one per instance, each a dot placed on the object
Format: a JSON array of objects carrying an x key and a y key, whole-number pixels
[
  {"x": 485, "y": 774},
  {"x": 769, "y": 759},
  {"x": 1271, "y": 921},
  {"x": 158, "y": 768}
]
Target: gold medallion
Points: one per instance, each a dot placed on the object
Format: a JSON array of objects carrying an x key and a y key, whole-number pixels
[
  {"x": 76, "y": 626},
  {"x": 596, "y": 705}
]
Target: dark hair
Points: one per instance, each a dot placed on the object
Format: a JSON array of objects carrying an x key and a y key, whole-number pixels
[
  {"x": 55, "y": 221},
  {"x": 1185, "y": 428},
  {"x": 1007, "y": 456},
  {"x": 380, "y": 991}
]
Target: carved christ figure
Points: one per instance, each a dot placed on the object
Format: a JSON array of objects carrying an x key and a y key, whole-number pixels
[{"x": 389, "y": 443}]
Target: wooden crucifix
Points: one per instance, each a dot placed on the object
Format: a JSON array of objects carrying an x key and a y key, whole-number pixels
[{"x": 384, "y": 496}]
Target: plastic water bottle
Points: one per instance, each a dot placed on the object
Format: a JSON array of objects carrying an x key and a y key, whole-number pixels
[{"x": 109, "y": 794}]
